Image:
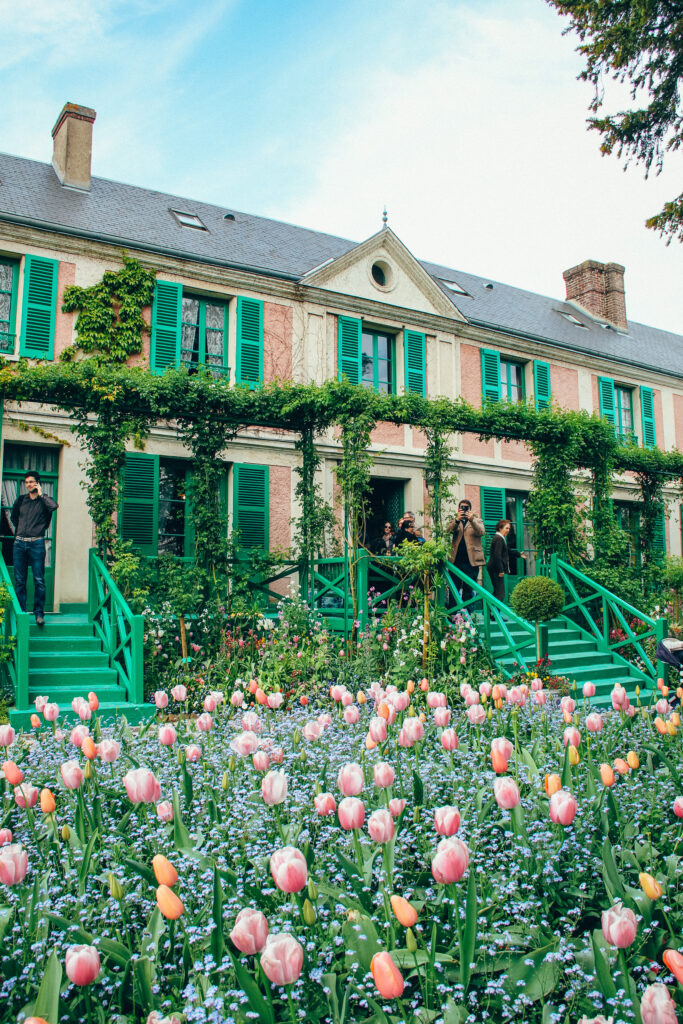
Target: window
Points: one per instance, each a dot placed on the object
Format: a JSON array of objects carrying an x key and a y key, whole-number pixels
[
  {"x": 8, "y": 292},
  {"x": 453, "y": 286},
  {"x": 204, "y": 333},
  {"x": 173, "y": 508},
  {"x": 377, "y": 362},
  {"x": 572, "y": 319},
  {"x": 512, "y": 381},
  {"x": 189, "y": 220},
  {"x": 623, "y": 401}
]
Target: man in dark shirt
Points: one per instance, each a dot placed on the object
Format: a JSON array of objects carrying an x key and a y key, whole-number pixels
[{"x": 31, "y": 515}]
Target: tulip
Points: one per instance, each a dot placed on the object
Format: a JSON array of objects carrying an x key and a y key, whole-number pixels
[
  {"x": 396, "y": 807},
  {"x": 40, "y": 703},
  {"x": 378, "y": 729},
  {"x": 619, "y": 926},
  {"x": 179, "y": 692},
  {"x": 662, "y": 706},
  {"x": 209, "y": 704},
  {"x": 165, "y": 810},
  {"x": 325, "y": 804},
  {"x": 447, "y": 820},
  {"x": 167, "y": 735},
  {"x": 381, "y": 826},
  {"x": 449, "y": 740},
  {"x": 657, "y": 1006},
  {"x": 350, "y": 779},
  {"x": 540, "y": 696},
  {"x": 13, "y": 773},
  {"x": 108, "y": 751},
  {"x": 244, "y": 743},
  {"x": 351, "y": 812},
  {"x": 282, "y": 959},
  {"x": 674, "y": 961},
  {"x": 142, "y": 786},
  {"x": 83, "y": 710},
  {"x": 650, "y": 886},
  {"x": 34, "y": 1020},
  {"x": 506, "y": 793},
  {"x": 47, "y": 802},
  {"x": 607, "y": 775},
  {"x": 633, "y": 760},
  {"x": 251, "y": 722},
  {"x": 274, "y": 788},
  {"x": 289, "y": 870},
  {"x": 450, "y": 861},
  {"x": 275, "y": 700},
  {"x": 170, "y": 905},
  {"x": 383, "y": 774},
  {"x": 35, "y": 721},
  {"x": 405, "y": 912},
  {"x": 250, "y": 931},
  {"x": 78, "y": 735},
  {"x": 93, "y": 701},
  {"x": 204, "y": 723},
  {"x": 589, "y": 689},
  {"x": 442, "y": 717},
  {"x": 572, "y": 736},
  {"x": 563, "y": 807},
  {"x": 568, "y": 705},
  {"x": 261, "y": 761},
  {"x": 312, "y": 731},
  {"x": 7, "y": 735},
  {"x": 88, "y": 748},
  {"x": 621, "y": 766},
  {"x": 388, "y": 978},
  {"x": 13, "y": 864},
  {"x": 5, "y": 836},
  {"x": 193, "y": 752},
  {"x": 411, "y": 732},
  {"x": 82, "y": 964},
  {"x": 161, "y": 699},
  {"x": 594, "y": 722},
  {"x": 678, "y": 806},
  {"x": 503, "y": 746},
  {"x": 164, "y": 871},
  {"x": 25, "y": 795},
  {"x": 573, "y": 755}
]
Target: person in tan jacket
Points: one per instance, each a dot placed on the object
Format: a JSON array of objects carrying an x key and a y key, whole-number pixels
[{"x": 467, "y": 553}]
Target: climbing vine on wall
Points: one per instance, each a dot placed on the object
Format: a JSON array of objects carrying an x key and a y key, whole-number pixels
[
  {"x": 438, "y": 481},
  {"x": 353, "y": 478}
]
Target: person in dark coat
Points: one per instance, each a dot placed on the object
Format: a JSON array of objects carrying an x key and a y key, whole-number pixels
[
  {"x": 498, "y": 564},
  {"x": 384, "y": 545},
  {"x": 31, "y": 515}
]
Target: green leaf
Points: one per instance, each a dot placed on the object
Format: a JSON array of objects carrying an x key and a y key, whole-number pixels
[
  {"x": 566, "y": 770},
  {"x": 454, "y": 1013},
  {"x": 529, "y": 761},
  {"x": 85, "y": 863},
  {"x": 150, "y": 937},
  {"x": 361, "y": 941},
  {"x": 181, "y": 837},
  {"x": 418, "y": 789},
  {"x": 115, "y": 951},
  {"x": 5, "y": 918},
  {"x": 253, "y": 993},
  {"x": 187, "y": 786},
  {"x": 47, "y": 1000},
  {"x": 539, "y": 976},
  {"x": 469, "y": 935},
  {"x": 611, "y": 875},
  {"x": 217, "y": 941},
  {"x": 144, "y": 980},
  {"x": 602, "y": 970},
  {"x": 141, "y": 869}
]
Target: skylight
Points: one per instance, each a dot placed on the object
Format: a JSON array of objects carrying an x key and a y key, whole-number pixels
[
  {"x": 189, "y": 220},
  {"x": 453, "y": 286},
  {"x": 572, "y": 319}
]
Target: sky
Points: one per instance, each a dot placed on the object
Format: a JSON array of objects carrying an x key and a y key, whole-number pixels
[{"x": 463, "y": 117}]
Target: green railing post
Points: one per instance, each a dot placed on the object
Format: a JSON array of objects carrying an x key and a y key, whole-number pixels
[
  {"x": 91, "y": 585},
  {"x": 137, "y": 660},
  {"x": 662, "y": 630},
  {"x": 553, "y": 567},
  {"x": 542, "y": 640},
  {"x": 362, "y": 588},
  {"x": 22, "y": 641}
]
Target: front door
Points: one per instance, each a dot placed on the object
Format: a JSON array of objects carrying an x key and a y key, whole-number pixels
[
  {"x": 385, "y": 505},
  {"x": 18, "y": 459},
  {"x": 519, "y": 538}
]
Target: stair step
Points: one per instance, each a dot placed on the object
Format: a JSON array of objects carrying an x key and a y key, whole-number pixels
[
  {"x": 77, "y": 660},
  {"x": 63, "y": 695},
  {"x": 58, "y": 644},
  {"x": 90, "y": 678},
  {"x": 108, "y": 711},
  {"x": 62, "y": 625}
]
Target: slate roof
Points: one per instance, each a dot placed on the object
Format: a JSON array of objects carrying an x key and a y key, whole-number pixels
[{"x": 128, "y": 215}]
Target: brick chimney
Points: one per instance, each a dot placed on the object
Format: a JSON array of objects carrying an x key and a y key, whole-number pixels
[
  {"x": 72, "y": 153},
  {"x": 599, "y": 289}
]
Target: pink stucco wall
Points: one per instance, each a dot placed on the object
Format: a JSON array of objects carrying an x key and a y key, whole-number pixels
[
  {"x": 419, "y": 438},
  {"x": 596, "y": 394},
  {"x": 64, "y": 322},
  {"x": 471, "y": 445},
  {"x": 280, "y": 495},
  {"x": 470, "y": 374},
  {"x": 678, "y": 421},
  {"x": 277, "y": 342},
  {"x": 564, "y": 386},
  {"x": 659, "y": 419},
  {"x": 388, "y": 433},
  {"x": 515, "y": 451}
]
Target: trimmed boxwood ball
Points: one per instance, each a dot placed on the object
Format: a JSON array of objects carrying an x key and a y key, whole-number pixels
[{"x": 537, "y": 598}]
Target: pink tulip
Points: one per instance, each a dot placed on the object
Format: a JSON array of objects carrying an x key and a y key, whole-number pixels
[
  {"x": 563, "y": 807},
  {"x": 471, "y": 697},
  {"x": 289, "y": 870},
  {"x": 51, "y": 712},
  {"x": 485, "y": 689},
  {"x": 436, "y": 700},
  {"x": 324, "y": 804},
  {"x": 449, "y": 740},
  {"x": 5, "y": 836},
  {"x": 13, "y": 864},
  {"x": 568, "y": 706},
  {"x": 351, "y": 714},
  {"x": 142, "y": 786},
  {"x": 84, "y": 711},
  {"x": 25, "y": 795},
  {"x": 411, "y": 732},
  {"x": 442, "y": 717},
  {"x": 662, "y": 706},
  {"x": 78, "y": 734},
  {"x": 378, "y": 729},
  {"x": 336, "y": 693},
  {"x": 251, "y": 722},
  {"x": 275, "y": 700},
  {"x": 205, "y": 722},
  {"x": 312, "y": 731},
  {"x": 657, "y": 1006},
  {"x": 7, "y": 735},
  {"x": 161, "y": 699},
  {"x": 282, "y": 959},
  {"x": 506, "y": 793},
  {"x": 450, "y": 861},
  {"x": 277, "y": 755},
  {"x": 678, "y": 806},
  {"x": 516, "y": 695},
  {"x": 620, "y": 700},
  {"x": 165, "y": 810},
  {"x": 447, "y": 820},
  {"x": 503, "y": 746},
  {"x": 237, "y": 699},
  {"x": 274, "y": 788},
  {"x": 324, "y": 721},
  {"x": 108, "y": 751},
  {"x": 250, "y": 931},
  {"x": 72, "y": 774},
  {"x": 351, "y": 813},
  {"x": 40, "y": 703},
  {"x": 400, "y": 701},
  {"x": 261, "y": 761},
  {"x": 193, "y": 752},
  {"x": 381, "y": 826},
  {"x": 179, "y": 692},
  {"x": 209, "y": 704},
  {"x": 594, "y": 722},
  {"x": 383, "y": 774},
  {"x": 347, "y": 698},
  {"x": 476, "y": 714},
  {"x": 536, "y": 684},
  {"x": 588, "y": 689},
  {"x": 82, "y": 964},
  {"x": 244, "y": 744},
  {"x": 350, "y": 779},
  {"x": 572, "y": 736},
  {"x": 396, "y": 807},
  {"x": 619, "y": 926},
  {"x": 540, "y": 696},
  {"x": 167, "y": 735}
]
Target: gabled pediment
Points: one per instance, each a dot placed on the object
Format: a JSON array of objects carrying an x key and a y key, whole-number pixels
[{"x": 382, "y": 269}]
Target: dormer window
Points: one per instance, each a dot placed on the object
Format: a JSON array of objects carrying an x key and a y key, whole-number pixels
[{"x": 189, "y": 220}]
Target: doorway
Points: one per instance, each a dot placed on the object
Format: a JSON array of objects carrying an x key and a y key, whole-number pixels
[
  {"x": 519, "y": 538},
  {"x": 385, "y": 505},
  {"x": 18, "y": 458}
]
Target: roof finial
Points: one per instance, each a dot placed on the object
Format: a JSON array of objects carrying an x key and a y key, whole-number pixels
[{"x": 385, "y": 217}]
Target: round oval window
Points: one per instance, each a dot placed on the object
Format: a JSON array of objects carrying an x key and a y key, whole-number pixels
[{"x": 378, "y": 275}]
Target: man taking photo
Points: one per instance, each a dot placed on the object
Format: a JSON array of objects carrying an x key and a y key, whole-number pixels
[
  {"x": 31, "y": 515},
  {"x": 467, "y": 553}
]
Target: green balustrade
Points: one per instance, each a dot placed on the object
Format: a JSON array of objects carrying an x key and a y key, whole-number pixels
[
  {"x": 16, "y": 625},
  {"x": 120, "y": 631}
]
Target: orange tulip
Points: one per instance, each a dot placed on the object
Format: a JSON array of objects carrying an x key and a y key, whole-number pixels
[
  {"x": 89, "y": 749},
  {"x": 633, "y": 760},
  {"x": 671, "y": 729},
  {"x": 369, "y": 742},
  {"x": 405, "y": 912},
  {"x": 383, "y": 710},
  {"x": 499, "y": 762},
  {"x": 424, "y": 685},
  {"x": 410, "y": 686},
  {"x": 674, "y": 961},
  {"x": 553, "y": 783},
  {"x": 93, "y": 701},
  {"x": 499, "y": 703},
  {"x": 260, "y": 696},
  {"x": 607, "y": 775},
  {"x": 679, "y": 692},
  {"x": 388, "y": 978},
  {"x": 13, "y": 773},
  {"x": 665, "y": 691},
  {"x": 35, "y": 1020},
  {"x": 47, "y": 802},
  {"x": 165, "y": 873},
  {"x": 422, "y": 716},
  {"x": 568, "y": 718},
  {"x": 660, "y": 684},
  {"x": 621, "y": 766},
  {"x": 360, "y": 697},
  {"x": 35, "y": 721},
  {"x": 650, "y": 886},
  {"x": 303, "y": 700},
  {"x": 495, "y": 693},
  {"x": 170, "y": 905},
  {"x": 660, "y": 726},
  {"x": 675, "y": 718}
]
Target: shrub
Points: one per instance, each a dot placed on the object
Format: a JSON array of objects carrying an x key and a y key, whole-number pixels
[{"x": 537, "y": 598}]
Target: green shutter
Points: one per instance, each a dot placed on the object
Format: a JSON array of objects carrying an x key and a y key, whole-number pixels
[
  {"x": 249, "y": 342},
  {"x": 166, "y": 319},
  {"x": 414, "y": 354},
  {"x": 541, "y": 384},
  {"x": 250, "y": 506},
  {"x": 492, "y": 501},
  {"x": 490, "y": 376},
  {"x": 607, "y": 401},
  {"x": 39, "y": 307},
  {"x": 139, "y": 506},
  {"x": 349, "y": 349},
  {"x": 647, "y": 412},
  {"x": 660, "y": 536}
]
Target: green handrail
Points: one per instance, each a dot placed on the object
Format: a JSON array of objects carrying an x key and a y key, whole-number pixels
[
  {"x": 120, "y": 631},
  {"x": 612, "y": 608},
  {"x": 16, "y": 624}
]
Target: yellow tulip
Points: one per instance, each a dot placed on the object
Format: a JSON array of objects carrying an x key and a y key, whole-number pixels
[
  {"x": 633, "y": 761},
  {"x": 650, "y": 886},
  {"x": 573, "y": 755},
  {"x": 671, "y": 729}
]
